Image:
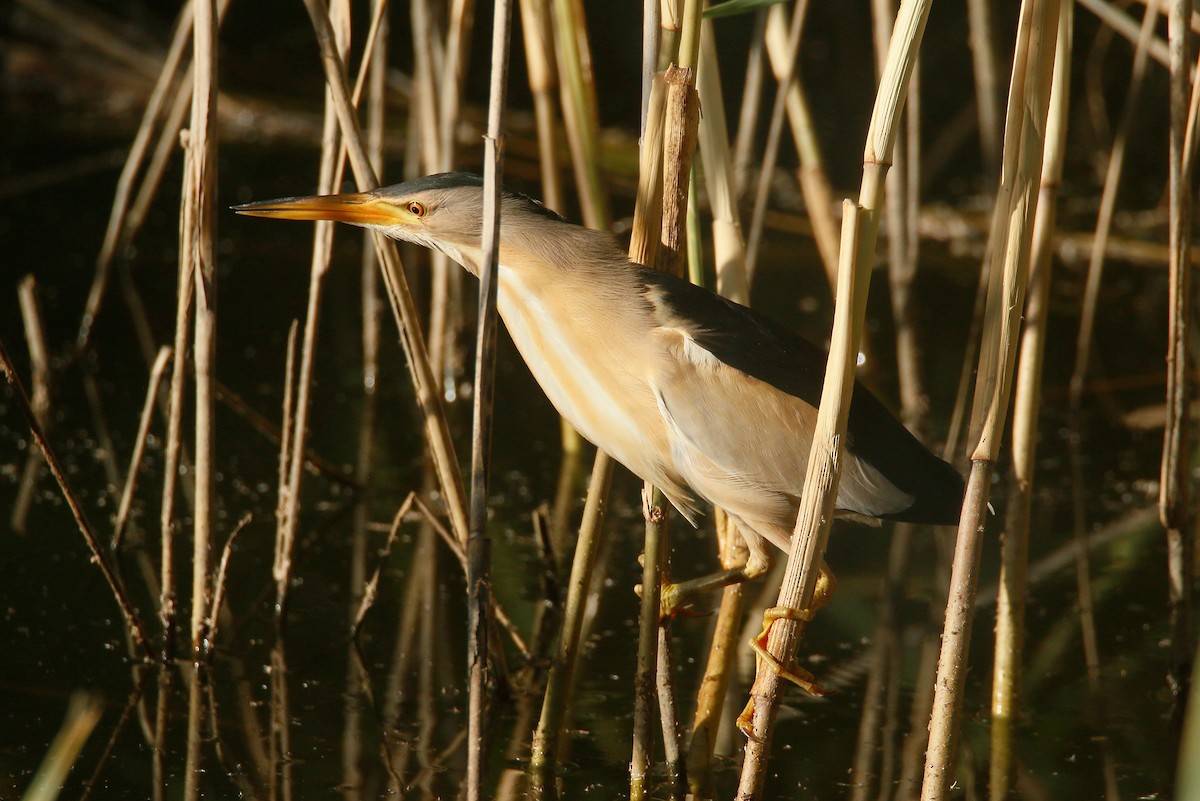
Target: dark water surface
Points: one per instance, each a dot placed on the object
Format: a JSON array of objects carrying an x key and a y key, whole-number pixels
[{"x": 61, "y": 631}]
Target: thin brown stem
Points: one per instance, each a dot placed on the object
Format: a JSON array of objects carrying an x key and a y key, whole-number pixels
[{"x": 89, "y": 534}]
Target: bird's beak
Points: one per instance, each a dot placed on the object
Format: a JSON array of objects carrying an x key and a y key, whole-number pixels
[{"x": 358, "y": 208}]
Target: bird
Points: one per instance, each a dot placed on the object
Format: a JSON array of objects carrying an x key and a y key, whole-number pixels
[{"x": 706, "y": 399}]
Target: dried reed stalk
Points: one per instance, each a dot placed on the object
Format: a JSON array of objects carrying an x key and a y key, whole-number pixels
[
  {"x": 680, "y": 120},
  {"x": 783, "y": 94},
  {"x": 328, "y": 182},
  {"x": 403, "y": 309},
  {"x": 172, "y": 449},
  {"x": 139, "y": 446},
  {"x": 1013, "y": 583},
  {"x": 744, "y": 151},
  {"x": 720, "y": 181},
  {"x": 644, "y": 240},
  {"x": 39, "y": 362},
  {"x": 197, "y": 231},
  {"x": 193, "y": 759},
  {"x": 710, "y": 698},
  {"x": 580, "y": 116},
  {"x": 218, "y": 588},
  {"x": 859, "y": 228},
  {"x": 645, "y": 667},
  {"x": 546, "y": 738},
  {"x": 818, "y": 197},
  {"x": 538, "y": 34},
  {"x": 83, "y": 713},
  {"x": 987, "y": 101},
  {"x": 1123, "y": 25},
  {"x": 132, "y": 621},
  {"x": 356, "y": 687},
  {"x": 281, "y": 567},
  {"x": 668, "y": 714},
  {"x": 580, "y": 123},
  {"x": 478, "y": 543},
  {"x": 168, "y": 81},
  {"x": 1175, "y": 493},
  {"x": 1076, "y": 387},
  {"x": 902, "y": 206},
  {"x": 1016, "y": 203}
]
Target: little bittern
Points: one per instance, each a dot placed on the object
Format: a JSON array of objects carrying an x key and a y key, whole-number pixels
[{"x": 700, "y": 396}]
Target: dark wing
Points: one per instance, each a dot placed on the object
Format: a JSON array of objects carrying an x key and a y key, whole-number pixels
[{"x": 754, "y": 345}]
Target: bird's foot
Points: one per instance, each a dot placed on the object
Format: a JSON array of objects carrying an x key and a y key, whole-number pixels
[
  {"x": 793, "y": 673},
  {"x": 676, "y": 598}
]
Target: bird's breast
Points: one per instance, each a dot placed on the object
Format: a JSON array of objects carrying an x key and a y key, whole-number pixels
[{"x": 587, "y": 360}]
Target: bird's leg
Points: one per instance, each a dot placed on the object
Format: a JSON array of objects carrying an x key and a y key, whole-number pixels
[
  {"x": 678, "y": 596},
  {"x": 797, "y": 675}
]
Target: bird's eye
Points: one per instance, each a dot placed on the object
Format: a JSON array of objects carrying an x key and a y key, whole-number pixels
[{"x": 415, "y": 208}]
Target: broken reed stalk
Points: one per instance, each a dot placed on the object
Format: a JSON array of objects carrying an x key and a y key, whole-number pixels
[
  {"x": 814, "y": 183},
  {"x": 860, "y": 223},
  {"x": 720, "y": 182},
  {"x": 403, "y": 310},
  {"x": 1175, "y": 492},
  {"x": 478, "y": 544},
  {"x": 680, "y": 118},
  {"x": 98, "y": 552},
  {"x": 39, "y": 362},
  {"x": 1016, "y": 202},
  {"x": 645, "y": 238},
  {"x": 766, "y": 170},
  {"x": 1013, "y": 582},
  {"x": 139, "y": 446}
]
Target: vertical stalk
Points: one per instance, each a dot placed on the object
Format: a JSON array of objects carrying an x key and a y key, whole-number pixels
[
  {"x": 368, "y": 415},
  {"x": 1176, "y": 491},
  {"x": 339, "y": 17},
  {"x": 478, "y": 544},
  {"x": 720, "y": 180},
  {"x": 1028, "y": 102},
  {"x": 987, "y": 106},
  {"x": 199, "y": 234},
  {"x": 814, "y": 183},
  {"x": 1010, "y": 607},
  {"x": 647, "y": 652},
  {"x": 860, "y": 224},
  {"x": 544, "y": 750}
]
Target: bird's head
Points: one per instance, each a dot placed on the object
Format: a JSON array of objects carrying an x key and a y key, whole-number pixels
[{"x": 443, "y": 212}]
